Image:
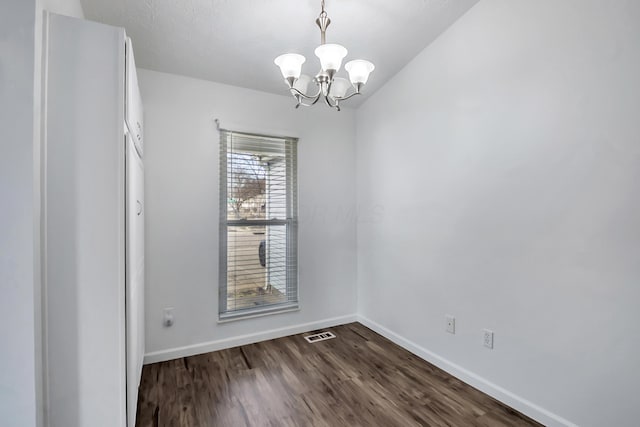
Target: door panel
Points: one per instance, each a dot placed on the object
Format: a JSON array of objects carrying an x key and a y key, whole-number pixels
[{"x": 135, "y": 276}]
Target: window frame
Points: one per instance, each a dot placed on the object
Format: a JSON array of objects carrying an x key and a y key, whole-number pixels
[{"x": 290, "y": 223}]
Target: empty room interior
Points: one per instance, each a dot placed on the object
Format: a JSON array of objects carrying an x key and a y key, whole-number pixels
[{"x": 319, "y": 213}]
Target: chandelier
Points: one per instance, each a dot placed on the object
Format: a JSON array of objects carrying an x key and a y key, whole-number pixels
[{"x": 328, "y": 87}]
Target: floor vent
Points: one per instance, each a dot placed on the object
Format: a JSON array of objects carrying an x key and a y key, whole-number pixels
[{"x": 319, "y": 337}]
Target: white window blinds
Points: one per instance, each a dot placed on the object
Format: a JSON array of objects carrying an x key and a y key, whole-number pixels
[{"x": 258, "y": 224}]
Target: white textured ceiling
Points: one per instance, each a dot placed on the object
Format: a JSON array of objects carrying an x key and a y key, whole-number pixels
[{"x": 235, "y": 41}]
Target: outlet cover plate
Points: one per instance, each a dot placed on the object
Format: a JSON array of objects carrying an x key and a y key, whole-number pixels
[
  {"x": 167, "y": 317},
  {"x": 488, "y": 338},
  {"x": 450, "y": 324}
]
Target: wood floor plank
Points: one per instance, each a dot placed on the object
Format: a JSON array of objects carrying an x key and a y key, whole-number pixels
[
  {"x": 358, "y": 378},
  {"x": 169, "y": 409},
  {"x": 147, "y": 397}
]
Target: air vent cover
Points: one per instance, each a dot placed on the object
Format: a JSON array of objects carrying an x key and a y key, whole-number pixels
[{"x": 321, "y": 336}]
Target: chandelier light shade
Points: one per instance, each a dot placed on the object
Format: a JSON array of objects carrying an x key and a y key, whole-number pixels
[
  {"x": 339, "y": 87},
  {"x": 290, "y": 64},
  {"x": 328, "y": 87},
  {"x": 359, "y": 71},
  {"x": 331, "y": 56}
]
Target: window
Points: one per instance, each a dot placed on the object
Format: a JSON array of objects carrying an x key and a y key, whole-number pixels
[{"x": 258, "y": 224}]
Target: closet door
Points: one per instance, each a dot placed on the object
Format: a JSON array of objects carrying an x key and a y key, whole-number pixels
[
  {"x": 134, "y": 276},
  {"x": 84, "y": 208}
]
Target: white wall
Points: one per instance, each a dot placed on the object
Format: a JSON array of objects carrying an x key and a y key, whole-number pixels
[
  {"x": 506, "y": 160},
  {"x": 20, "y": 330},
  {"x": 181, "y": 173},
  {"x": 18, "y": 335}
]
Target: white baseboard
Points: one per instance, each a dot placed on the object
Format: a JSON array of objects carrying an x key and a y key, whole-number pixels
[
  {"x": 206, "y": 347},
  {"x": 526, "y": 407}
]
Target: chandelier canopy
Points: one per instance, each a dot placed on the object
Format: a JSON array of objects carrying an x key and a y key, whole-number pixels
[{"x": 328, "y": 87}]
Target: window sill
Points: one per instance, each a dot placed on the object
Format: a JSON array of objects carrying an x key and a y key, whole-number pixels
[{"x": 251, "y": 314}]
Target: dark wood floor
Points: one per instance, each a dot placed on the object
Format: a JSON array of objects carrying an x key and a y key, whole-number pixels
[{"x": 356, "y": 379}]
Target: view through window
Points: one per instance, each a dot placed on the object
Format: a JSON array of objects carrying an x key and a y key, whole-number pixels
[{"x": 258, "y": 224}]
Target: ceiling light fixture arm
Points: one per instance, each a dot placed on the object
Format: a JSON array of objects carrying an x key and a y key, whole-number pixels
[
  {"x": 295, "y": 92},
  {"x": 299, "y": 95},
  {"x": 343, "y": 98},
  {"x": 358, "y": 86},
  {"x": 306, "y": 105},
  {"x": 327, "y": 101}
]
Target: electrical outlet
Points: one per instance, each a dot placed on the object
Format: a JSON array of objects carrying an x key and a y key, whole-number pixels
[
  {"x": 451, "y": 324},
  {"x": 488, "y": 338},
  {"x": 167, "y": 316}
]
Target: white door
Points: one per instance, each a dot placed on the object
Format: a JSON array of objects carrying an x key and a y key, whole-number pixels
[
  {"x": 133, "y": 104},
  {"x": 134, "y": 276}
]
